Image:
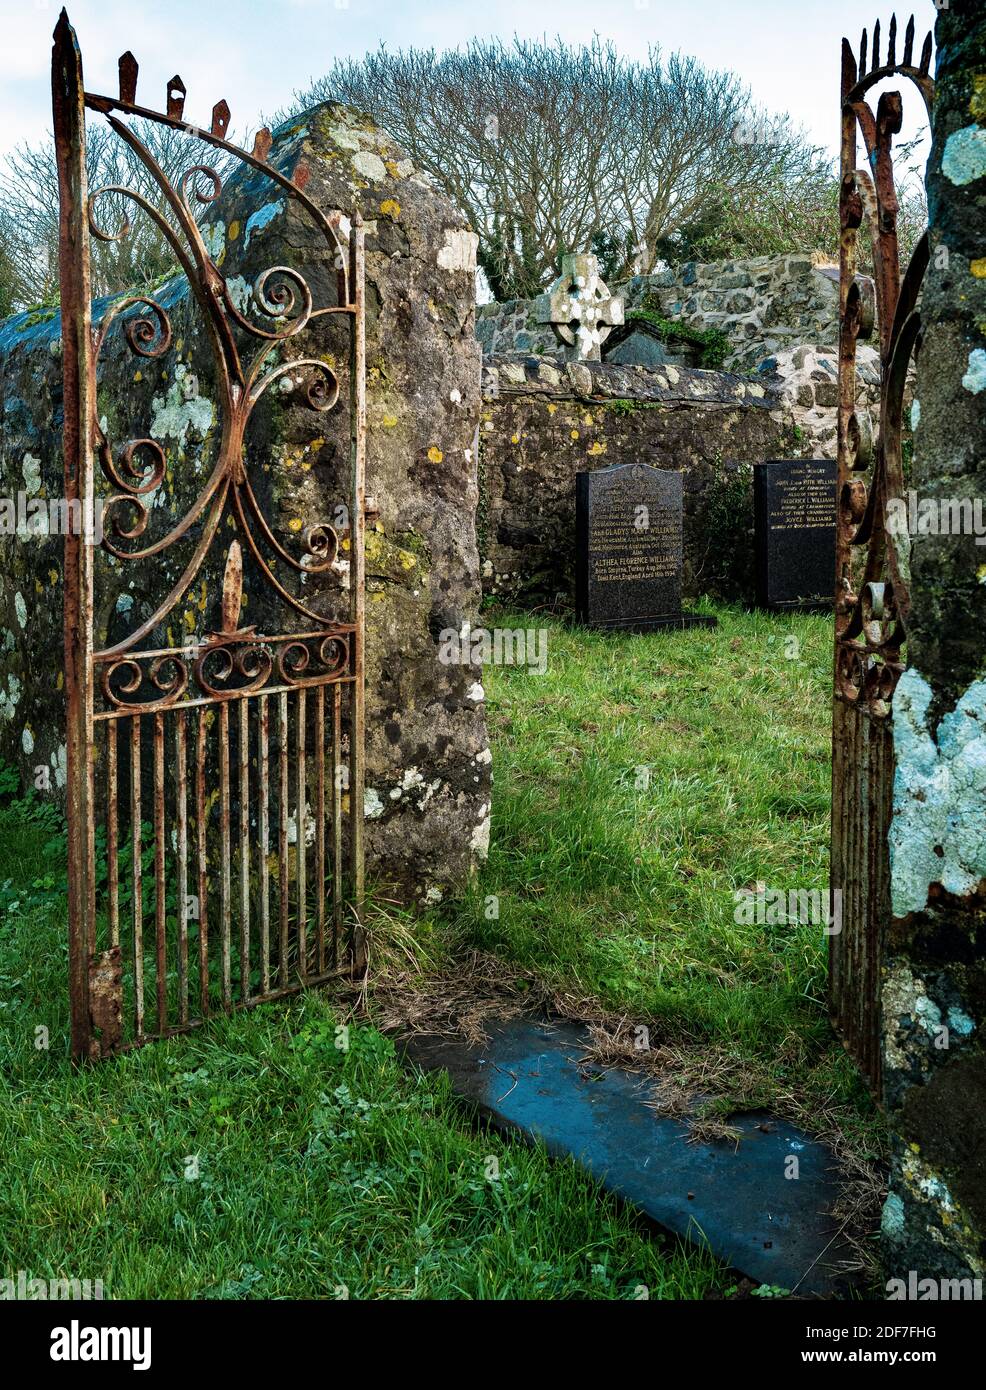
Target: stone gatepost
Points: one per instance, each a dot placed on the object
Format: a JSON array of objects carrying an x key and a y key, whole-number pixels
[
  {"x": 428, "y": 763},
  {"x": 934, "y": 996}
]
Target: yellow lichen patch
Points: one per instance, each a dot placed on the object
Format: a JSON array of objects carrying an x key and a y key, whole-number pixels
[
  {"x": 393, "y": 170},
  {"x": 53, "y": 576},
  {"x": 977, "y": 102},
  {"x": 515, "y": 439},
  {"x": 575, "y": 434},
  {"x": 981, "y": 574},
  {"x": 390, "y": 207},
  {"x": 233, "y": 231},
  {"x": 435, "y": 454},
  {"x": 294, "y": 524},
  {"x": 978, "y": 267},
  {"x": 203, "y": 598},
  {"x": 190, "y": 619},
  {"x": 38, "y": 587},
  {"x": 389, "y": 421},
  {"x": 594, "y": 450},
  {"x": 587, "y": 419},
  {"x": 345, "y": 544},
  {"x": 138, "y": 376},
  {"x": 551, "y": 407},
  {"x": 61, "y": 680}
]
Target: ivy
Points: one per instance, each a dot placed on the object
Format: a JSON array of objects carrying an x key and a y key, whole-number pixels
[{"x": 714, "y": 343}]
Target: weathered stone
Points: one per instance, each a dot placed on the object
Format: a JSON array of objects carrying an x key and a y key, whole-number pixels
[{"x": 934, "y": 1003}]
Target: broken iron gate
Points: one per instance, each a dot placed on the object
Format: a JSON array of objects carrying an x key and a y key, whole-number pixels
[
  {"x": 872, "y": 579},
  {"x": 215, "y": 789}
]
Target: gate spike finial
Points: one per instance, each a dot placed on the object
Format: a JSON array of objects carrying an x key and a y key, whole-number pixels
[
  {"x": 892, "y": 43},
  {"x": 176, "y": 98},
  {"x": 220, "y": 119},
  {"x": 233, "y": 589},
  {"x": 926, "y": 54},
  {"x": 875, "y": 62},
  {"x": 128, "y": 78},
  {"x": 862, "y": 55},
  {"x": 848, "y": 68},
  {"x": 909, "y": 43}
]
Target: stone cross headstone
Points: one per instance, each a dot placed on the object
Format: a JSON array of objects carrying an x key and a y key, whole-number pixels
[
  {"x": 629, "y": 548},
  {"x": 580, "y": 308},
  {"x": 794, "y": 532}
]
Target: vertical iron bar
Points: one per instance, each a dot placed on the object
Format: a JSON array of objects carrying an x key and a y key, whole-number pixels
[
  {"x": 160, "y": 905},
  {"x": 112, "y": 846},
  {"x": 357, "y": 569},
  {"x": 200, "y": 834},
  {"x": 282, "y": 839},
  {"x": 302, "y": 828},
  {"x": 78, "y": 402},
  {"x": 320, "y": 823},
  {"x": 138, "y": 897},
  {"x": 263, "y": 812},
  {"x": 225, "y": 890},
  {"x": 181, "y": 812},
  {"x": 244, "y": 849},
  {"x": 337, "y": 876}
]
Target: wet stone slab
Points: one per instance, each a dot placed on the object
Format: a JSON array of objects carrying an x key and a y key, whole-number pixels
[{"x": 732, "y": 1196}]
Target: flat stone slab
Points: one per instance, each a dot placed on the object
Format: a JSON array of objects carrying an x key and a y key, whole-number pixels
[{"x": 732, "y": 1197}]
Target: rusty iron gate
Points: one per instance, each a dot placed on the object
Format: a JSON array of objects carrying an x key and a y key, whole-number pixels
[
  {"x": 872, "y": 578},
  {"x": 215, "y": 789}
]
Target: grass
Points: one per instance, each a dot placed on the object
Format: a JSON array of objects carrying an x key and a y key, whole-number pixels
[
  {"x": 262, "y": 1158},
  {"x": 258, "y": 1158},
  {"x": 639, "y": 783}
]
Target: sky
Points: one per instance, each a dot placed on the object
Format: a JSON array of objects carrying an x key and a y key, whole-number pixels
[{"x": 257, "y": 53}]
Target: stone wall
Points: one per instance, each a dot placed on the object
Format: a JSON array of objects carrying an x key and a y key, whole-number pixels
[
  {"x": 428, "y": 778},
  {"x": 542, "y": 423},
  {"x": 765, "y": 305}
]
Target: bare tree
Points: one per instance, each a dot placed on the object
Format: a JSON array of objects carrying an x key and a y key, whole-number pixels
[
  {"x": 551, "y": 149},
  {"x": 29, "y": 211}
]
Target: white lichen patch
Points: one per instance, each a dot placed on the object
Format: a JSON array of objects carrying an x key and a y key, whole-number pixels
[
  {"x": 27, "y": 741},
  {"x": 476, "y": 692},
  {"x": 10, "y": 698},
  {"x": 372, "y": 805},
  {"x": 936, "y": 835},
  {"x": 370, "y": 166},
  {"x": 915, "y": 413},
  {"x": 479, "y": 841},
  {"x": 975, "y": 378},
  {"x": 964, "y": 157},
  {"x": 459, "y": 251},
  {"x": 20, "y": 609},
  {"x": 262, "y": 218},
  {"x": 175, "y": 414},
  {"x": 31, "y": 469}
]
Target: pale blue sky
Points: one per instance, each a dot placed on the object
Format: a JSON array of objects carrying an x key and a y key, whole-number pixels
[{"x": 256, "y": 52}]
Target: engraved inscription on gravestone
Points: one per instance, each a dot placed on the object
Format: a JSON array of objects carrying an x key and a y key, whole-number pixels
[
  {"x": 794, "y": 530},
  {"x": 629, "y": 548}
]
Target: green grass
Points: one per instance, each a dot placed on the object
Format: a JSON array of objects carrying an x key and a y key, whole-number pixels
[
  {"x": 639, "y": 784},
  {"x": 258, "y": 1158},
  {"x": 320, "y": 1168}
]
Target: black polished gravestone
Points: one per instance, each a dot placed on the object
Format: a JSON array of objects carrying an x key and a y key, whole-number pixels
[
  {"x": 628, "y": 549},
  {"x": 794, "y": 532}
]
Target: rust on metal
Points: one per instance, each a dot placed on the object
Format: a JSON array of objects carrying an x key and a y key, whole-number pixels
[
  {"x": 207, "y": 768},
  {"x": 872, "y": 580}
]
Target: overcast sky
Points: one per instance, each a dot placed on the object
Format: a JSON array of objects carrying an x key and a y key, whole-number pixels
[{"x": 255, "y": 53}]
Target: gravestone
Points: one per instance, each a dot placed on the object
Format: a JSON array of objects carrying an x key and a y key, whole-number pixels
[
  {"x": 629, "y": 546},
  {"x": 794, "y": 532}
]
